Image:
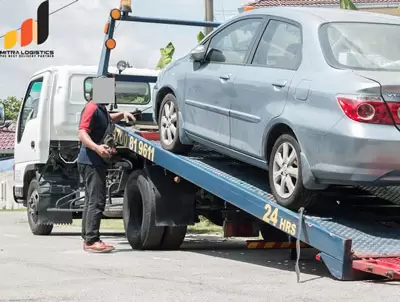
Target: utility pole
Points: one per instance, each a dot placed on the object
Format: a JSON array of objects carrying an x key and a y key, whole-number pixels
[{"x": 208, "y": 14}]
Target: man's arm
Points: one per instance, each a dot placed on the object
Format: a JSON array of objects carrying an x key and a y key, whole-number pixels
[
  {"x": 86, "y": 140},
  {"x": 116, "y": 117},
  {"x": 85, "y": 127}
]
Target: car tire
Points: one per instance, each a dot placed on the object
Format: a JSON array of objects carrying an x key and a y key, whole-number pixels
[
  {"x": 168, "y": 123},
  {"x": 290, "y": 192}
]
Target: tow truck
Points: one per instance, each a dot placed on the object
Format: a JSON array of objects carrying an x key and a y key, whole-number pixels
[{"x": 355, "y": 234}]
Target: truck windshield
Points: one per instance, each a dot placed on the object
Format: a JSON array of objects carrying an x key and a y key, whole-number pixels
[
  {"x": 135, "y": 93},
  {"x": 366, "y": 46}
]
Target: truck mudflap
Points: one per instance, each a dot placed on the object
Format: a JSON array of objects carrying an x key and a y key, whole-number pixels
[{"x": 49, "y": 194}]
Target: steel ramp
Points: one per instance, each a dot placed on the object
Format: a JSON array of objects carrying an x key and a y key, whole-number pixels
[{"x": 341, "y": 237}]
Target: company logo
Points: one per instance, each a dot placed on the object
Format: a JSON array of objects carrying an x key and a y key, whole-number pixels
[{"x": 30, "y": 31}]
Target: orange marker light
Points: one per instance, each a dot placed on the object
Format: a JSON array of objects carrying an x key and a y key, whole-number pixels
[
  {"x": 106, "y": 27},
  {"x": 248, "y": 8},
  {"x": 110, "y": 43},
  {"x": 126, "y": 6},
  {"x": 115, "y": 14}
]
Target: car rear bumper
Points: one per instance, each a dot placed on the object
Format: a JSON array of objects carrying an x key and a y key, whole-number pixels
[{"x": 358, "y": 153}]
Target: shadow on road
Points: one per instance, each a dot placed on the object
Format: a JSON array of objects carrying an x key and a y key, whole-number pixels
[
  {"x": 236, "y": 250},
  {"x": 78, "y": 234}
]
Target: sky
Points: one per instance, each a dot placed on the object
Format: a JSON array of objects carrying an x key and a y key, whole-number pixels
[{"x": 76, "y": 34}]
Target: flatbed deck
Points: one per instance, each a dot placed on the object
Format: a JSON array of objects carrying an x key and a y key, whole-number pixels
[{"x": 344, "y": 236}]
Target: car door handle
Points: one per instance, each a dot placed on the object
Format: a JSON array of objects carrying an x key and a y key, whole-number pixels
[
  {"x": 32, "y": 144},
  {"x": 225, "y": 77},
  {"x": 279, "y": 84}
]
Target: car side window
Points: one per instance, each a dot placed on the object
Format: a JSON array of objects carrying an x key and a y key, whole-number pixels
[
  {"x": 280, "y": 46},
  {"x": 30, "y": 106},
  {"x": 232, "y": 44}
]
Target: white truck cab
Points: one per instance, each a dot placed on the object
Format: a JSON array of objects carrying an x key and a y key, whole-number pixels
[{"x": 47, "y": 127}]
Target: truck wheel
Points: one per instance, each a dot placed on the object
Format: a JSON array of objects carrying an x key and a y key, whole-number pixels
[
  {"x": 32, "y": 201},
  {"x": 169, "y": 126},
  {"x": 173, "y": 237},
  {"x": 285, "y": 175},
  {"x": 139, "y": 213}
]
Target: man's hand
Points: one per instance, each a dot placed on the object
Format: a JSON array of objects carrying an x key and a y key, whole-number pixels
[
  {"x": 103, "y": 151},
  {"x": 129, "y": 116},
  {"x": 116, "y": 117}
]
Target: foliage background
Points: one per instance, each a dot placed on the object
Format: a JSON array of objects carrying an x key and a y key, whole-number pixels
[{"x": 11, "y": 108}]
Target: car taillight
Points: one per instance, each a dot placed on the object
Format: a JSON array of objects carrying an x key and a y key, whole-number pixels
[
  {"x": 394, "y": 108},
  {"x": 369, "y": 109}
]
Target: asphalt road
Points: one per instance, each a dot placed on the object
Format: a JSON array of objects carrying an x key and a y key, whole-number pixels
[{"x": 55, "y": 268}]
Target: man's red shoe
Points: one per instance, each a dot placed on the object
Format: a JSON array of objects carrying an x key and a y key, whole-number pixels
[
  {"x": 108, "y": 245},
  {"x": 98, "y": 247}
]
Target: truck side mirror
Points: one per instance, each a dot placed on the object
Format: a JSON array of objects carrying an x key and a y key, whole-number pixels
[{"x": 2, "y": 115}]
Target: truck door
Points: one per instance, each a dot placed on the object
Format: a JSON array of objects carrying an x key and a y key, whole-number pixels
[{"x": 29, "y": 137}]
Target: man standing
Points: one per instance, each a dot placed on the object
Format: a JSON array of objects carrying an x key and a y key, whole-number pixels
[{"x": 94, "y": 123}]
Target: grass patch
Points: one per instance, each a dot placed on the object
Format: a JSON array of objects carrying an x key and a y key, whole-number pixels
[
  {"x": 106, "y": 224},
  {"x": 15, "y": 210},
  {"x": 203, "y": 227}
]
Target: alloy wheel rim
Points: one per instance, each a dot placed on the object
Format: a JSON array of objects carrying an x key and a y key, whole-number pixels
[
  {"x": 285, "y": 170},
  {"x": 168, "y": 125}
]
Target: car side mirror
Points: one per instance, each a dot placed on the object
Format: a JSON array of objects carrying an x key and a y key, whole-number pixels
[
  {"x": 215, "y": 55},
  {"x": 2, "y": 115},
  {"x": 198, "y": 54}
]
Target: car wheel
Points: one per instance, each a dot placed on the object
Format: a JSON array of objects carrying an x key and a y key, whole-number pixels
[
  {"x": 169, "y": 126},
  {"x": 285, "y": 174}
]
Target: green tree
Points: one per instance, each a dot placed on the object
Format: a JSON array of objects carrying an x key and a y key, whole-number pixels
[
  {"x": 11, "y": 107},
  {"x": 200, "y": 36},
  {"x": 166, "y": 55},
  {"x": 347, "y": 4},
  {"x": 168, "y": 52}
]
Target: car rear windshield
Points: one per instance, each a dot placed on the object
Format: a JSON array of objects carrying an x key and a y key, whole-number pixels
[{"x": 366, "y": 46}]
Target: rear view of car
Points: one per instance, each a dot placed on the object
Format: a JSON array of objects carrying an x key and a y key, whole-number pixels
[
  {"x": 370, "y": 50},
  {"x": 313, "y": 98}
]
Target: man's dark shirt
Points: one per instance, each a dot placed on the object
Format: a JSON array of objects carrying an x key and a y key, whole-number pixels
[{"x": 94, "y": 120}]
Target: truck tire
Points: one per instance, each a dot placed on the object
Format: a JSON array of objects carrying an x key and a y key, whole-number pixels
[
  {"x": 169, "y": 124},
  {"x": 173, "y": 237},
  {"x": 32, "y": 200},
  {"x": 139, "y": 213},
  {"x": 298, "y": 196}
]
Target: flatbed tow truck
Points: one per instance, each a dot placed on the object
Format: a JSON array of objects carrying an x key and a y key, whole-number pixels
[{"x": 356, "y": 237}]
